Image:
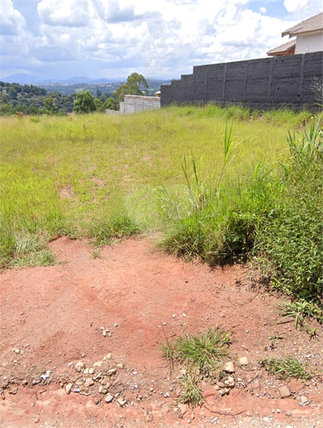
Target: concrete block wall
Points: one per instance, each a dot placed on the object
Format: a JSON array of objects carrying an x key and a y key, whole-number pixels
[
  {"x": 136, "y": 103},
  {"x": 261, "y": 83}
]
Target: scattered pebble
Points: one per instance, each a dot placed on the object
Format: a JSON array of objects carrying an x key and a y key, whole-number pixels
[
  {"x": 284, "y": 392},
  {"x": 229, "y": 367},
  {"x": 108, "y": 398},
  {"x": 79, "y": 366}
]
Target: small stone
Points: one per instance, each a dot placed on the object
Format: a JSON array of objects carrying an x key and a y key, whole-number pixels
[
  {"x": 79, "y": 382},
  {"x": 68, "y": 388},
  {"x": 243, "y": 361},
  {"x": 104, "y": 333},
  {"x": 97, "y": 364},
  {"x": 88, "y": 382},
  {"x": 97, "y": 377},
  {"x": 84, "y": 391},
  {"x": 120, "y": 366},
  {"x": 229, "y": 367},
  {"x": 91, "y": 370},
  {"x": 303, "y": 400},
  {"x": 103, "y": 389},
  {"x": 111, "y": 372},
  {"x": 122, "y": 402},
  {"x": 278, "y": 410},
  {"x": 79, "y": 366},
  {"x": 284, "y": 392},
  {"x": 24, "y": 382},
  {"x": 230, "y": 382},
  {"x": 109, "y": 356},
  {"x": 86, "y": 371},
  {"x": 108, "y": 398}
]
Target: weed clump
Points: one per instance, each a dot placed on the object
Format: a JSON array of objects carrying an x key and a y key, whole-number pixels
[
  {"x": 286, "y": 368},
  {"x": 273, "y": 217},
  {"x": 200, "y": 356}
]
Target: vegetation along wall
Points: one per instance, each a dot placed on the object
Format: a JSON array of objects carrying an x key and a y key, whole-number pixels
[{"x": 261, "y": 83}]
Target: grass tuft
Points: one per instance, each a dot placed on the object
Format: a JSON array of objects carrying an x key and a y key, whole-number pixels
[
  {"x": 102, "y": 232},
  {"x": 190, "y": 391},
  {"x": 285, "y": 368},
  {"x": 302, "y": 310},
  {"x": 200, "y": 356}
]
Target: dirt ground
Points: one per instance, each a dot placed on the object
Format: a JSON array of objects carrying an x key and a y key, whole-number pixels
[{"x": 80, "y": 343}]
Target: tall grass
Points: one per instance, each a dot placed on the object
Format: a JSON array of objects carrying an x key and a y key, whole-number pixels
[
  {"x": 273, "y": 214},
  {"x": 97, "y": 175}
]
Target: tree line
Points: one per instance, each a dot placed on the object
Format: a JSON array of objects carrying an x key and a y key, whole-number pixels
[{"x": 33, "y": 100}]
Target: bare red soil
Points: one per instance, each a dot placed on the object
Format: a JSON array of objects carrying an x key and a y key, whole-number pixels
[{"x": 112, "y": 312}]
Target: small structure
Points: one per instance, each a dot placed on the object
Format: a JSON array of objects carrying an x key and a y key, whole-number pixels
[
  {"x": 308, "y": 37},
  {"x": 136, "y": 103}
]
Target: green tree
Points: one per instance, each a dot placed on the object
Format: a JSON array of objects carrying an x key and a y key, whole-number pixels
[
  {"x": 111, "y": 104},
  {"x": 49, "y": 106},
  {"x": 98, "y": 104},
  {"x": 134, "y": 85},
  {"x": 84, "y": 103}
]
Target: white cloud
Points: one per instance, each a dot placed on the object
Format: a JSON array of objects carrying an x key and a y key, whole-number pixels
[
  {"x": 11, "y": 20},
  {"x": 65, "y": 13},
  {"x": 165, "y": 38}
]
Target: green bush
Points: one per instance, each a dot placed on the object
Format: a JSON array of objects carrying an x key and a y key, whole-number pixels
[
  {"x": 290, "y": 242},
  {"x": 274, "y": 215}
]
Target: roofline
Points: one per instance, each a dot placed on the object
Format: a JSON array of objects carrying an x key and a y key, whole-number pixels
[
  {"x": 294, "y": 32},
  {"x": 301, "y": 33}
]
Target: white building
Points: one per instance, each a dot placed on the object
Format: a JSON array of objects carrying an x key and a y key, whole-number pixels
[{"x": 307, "y": 37}]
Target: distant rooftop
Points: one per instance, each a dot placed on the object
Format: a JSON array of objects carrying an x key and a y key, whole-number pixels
[
  {"x": 285, "y": 49},
  {"x": 313, "y": 24}
]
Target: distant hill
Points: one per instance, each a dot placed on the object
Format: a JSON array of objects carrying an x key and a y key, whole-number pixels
[
  {"x": 21, "y": 78},
  {"x": 80, "y": 82},
  {"x": 27, "y": 79},
  {"x": 97, "y": 87}
]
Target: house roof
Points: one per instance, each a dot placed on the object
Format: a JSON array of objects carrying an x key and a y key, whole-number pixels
[
  {"x": 315, "y": 23},
  {"x": 283, "y": 49}
]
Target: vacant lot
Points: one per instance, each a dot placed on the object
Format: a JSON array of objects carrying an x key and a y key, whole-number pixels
[{"x": 98, "y": 331}]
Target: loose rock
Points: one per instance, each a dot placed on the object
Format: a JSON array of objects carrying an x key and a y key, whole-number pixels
[
  {"x": 229, "y": 367},
  {"x": 88, "y": 382},
  {"x": 108, "y": 398},
  {"x": 79, "y": 366},
  {"x": 68, "y": 388},
  {"x": 284, "y": 392},
  {"x": 243, "y": 361},
  {"x": 121, "y": 402}
]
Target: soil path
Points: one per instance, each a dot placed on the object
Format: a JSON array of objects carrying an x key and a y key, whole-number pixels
[{"x": 111, "y": 313}]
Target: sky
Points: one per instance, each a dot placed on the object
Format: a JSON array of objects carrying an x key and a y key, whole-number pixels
[{"x": 60, "y": 39}]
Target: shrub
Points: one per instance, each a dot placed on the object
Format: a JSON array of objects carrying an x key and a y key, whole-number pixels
[{"x": 289, "y": 243}]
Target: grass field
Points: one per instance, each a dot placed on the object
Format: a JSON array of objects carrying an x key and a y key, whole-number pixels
[{"x": 105, "y": 176}]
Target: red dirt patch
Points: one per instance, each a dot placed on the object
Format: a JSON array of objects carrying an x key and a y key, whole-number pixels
[{"x": 124, "y": 303}]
